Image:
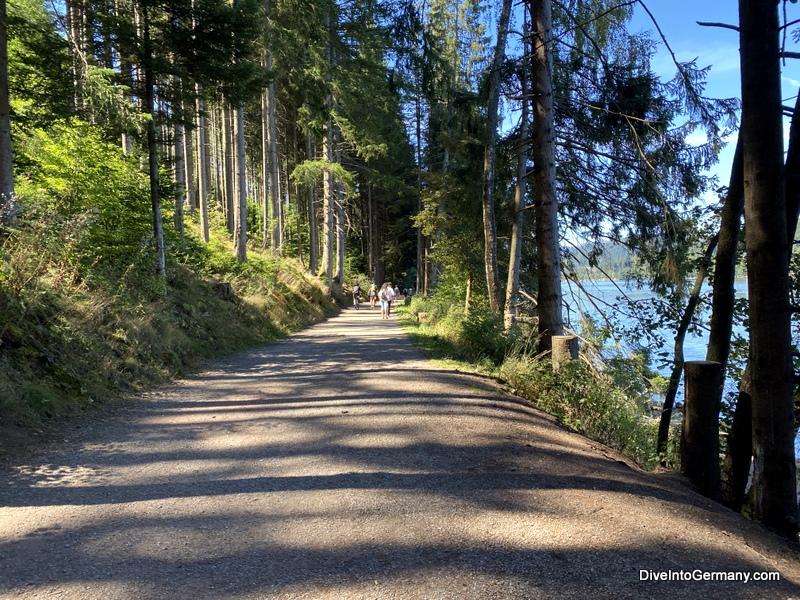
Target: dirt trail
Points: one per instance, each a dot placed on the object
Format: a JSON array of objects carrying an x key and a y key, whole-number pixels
[{"x": 339, "y": 464}]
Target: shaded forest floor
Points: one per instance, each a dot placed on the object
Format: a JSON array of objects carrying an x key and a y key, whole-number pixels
[{"x": 337, "y": 463}]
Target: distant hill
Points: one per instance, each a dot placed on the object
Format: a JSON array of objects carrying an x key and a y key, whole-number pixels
[{"x": 615, "y": 262}]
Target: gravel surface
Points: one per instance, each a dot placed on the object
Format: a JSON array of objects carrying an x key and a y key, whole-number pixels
[{"x": 339, "y": 464}]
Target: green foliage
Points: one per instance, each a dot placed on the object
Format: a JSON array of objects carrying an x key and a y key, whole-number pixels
[
  {"x": 609, "y": 401},
  {"x": 39, "y": 77},
  {"x": 475, "y": 336},
  {"x": 310, "y": 172},
  {"x": 589, "y": 402},
  {"x": 92, "y": 195},
  {"x": 109, "y": 101},
  {"x": 82, "y": 315}
]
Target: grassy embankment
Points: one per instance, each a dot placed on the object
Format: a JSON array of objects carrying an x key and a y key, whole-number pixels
[{"x": 74, "y": 336}]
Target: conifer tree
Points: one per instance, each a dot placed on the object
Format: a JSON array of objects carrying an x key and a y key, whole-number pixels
[
  {"x": 6, "y": 157},
  {"x": 772, "y": 379}
]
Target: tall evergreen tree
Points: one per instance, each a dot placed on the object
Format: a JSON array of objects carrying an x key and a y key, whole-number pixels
[
  {"x": 489, "y": 225},
  {"x": 543, "y": 134},
  {"x": 772, "y": 380},
  {"x": 6, "y": 157}
]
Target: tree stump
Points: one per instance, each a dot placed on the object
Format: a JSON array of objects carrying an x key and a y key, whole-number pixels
[
  {"x": 565, "y": 348},
  {"x": 224, "y": 290},
  {"x": 700, "y": 434}
]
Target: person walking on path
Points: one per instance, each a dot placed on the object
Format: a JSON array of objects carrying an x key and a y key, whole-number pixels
[
  {"x": 390, "y": 295},
  {"x": 373, "y": 296},
  {"x": 386, "y": 294},
  {"x": 357, "y": 296}
]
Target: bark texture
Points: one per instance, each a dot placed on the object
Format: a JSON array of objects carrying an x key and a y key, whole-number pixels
[
  {"x": 551, "y": 320},
  {"x": 6, "y": 158},
  {"x": 772, "y": 382}
]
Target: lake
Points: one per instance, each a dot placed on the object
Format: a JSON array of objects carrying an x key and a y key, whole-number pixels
[{"x": 604, "y": 296}]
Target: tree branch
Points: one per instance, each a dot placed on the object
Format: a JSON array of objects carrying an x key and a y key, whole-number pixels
[{"x": 723, "y": 25}]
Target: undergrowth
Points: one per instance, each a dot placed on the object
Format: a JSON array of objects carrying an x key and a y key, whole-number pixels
[
  {"x": 608, "y": 402},
  {"x": 83, "y": 317},
  {"x": 68, "y": 342}
]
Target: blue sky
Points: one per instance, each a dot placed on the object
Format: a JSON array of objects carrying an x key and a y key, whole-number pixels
[{"x": 711, "y": 46}]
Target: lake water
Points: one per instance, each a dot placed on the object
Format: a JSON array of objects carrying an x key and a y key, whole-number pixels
[{"x": 603, "y": 297}]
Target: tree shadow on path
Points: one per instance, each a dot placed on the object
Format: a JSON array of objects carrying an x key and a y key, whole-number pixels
[{"x": 339, "y": 464}]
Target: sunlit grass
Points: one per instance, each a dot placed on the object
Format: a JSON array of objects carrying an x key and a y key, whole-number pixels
[{"x": 602, "y": 402}]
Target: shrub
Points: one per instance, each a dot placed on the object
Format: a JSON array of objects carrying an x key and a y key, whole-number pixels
[
  {"x": 83, "y": 316},
  {"x": 590, "y": 402},
  {"x": 476, "y": 336}
]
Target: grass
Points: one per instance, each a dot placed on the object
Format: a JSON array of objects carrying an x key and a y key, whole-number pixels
[
  {"x": 608, "y": 403},
  {"x": 73, "y": 337}
]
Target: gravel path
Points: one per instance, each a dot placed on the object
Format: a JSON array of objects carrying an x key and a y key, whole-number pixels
[{"x": 339, "y": 464}]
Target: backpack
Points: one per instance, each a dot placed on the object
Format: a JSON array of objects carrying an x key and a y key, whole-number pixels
[{"x": 382, "y": 294}]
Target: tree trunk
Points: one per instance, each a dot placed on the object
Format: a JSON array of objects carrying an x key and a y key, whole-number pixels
[
  {"x": 551, "y": 321},
  {"x": 515, "y": 250},
  {"x": 772, "y": 383},
  {"x": 739, "y": 447},
  {"x": 328, "y": 217},
  {"x": 792, "y": 173},
  {"x": 229, "y": 154},
  {"x": 191, "y": 179},
  {"x": 339, "y": 196},
  {"x": 180, "y": 174},
  {"x": 215, "y": 148},
  {"x": 421, "y": 240},
  {"x": 265, "y": 175},
  {"x": 75, "y": 11},
  {"x": 6, "y": 156},
  {"x": 468, "y": 295},
  {"x": 152, "y": 145},
  {"x": 329, "y": 189},
  {"x": 564, "y": 349},
  {"x": 300, "y": 206},
  {"x": 313, "y": 229},
  {"x": 680, "y": 336},
  {"x": 202, "y": 161},
  {"x": 739, "y": 451},
  {"x": 370, "y": 235},
  {"x": 700, "y": 431},
  {"x": 722, "y": 304},
  {"x": 240, "y": 234},
  {"x": 340, "y": 249},
  {"x": 274, "y": 182},
  {"x": 489, "y": 225},
  {"x": 270, "y": 140}
]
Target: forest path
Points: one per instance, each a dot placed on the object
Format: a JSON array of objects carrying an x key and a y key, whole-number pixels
[{"x": 338, "y": 464}]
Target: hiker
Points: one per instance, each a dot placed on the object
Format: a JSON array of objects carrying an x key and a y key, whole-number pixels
[
  {"x": 373, "y": 296},
  {"x": 356, "y": 295},
  {"x": 386, "y": 295}
]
